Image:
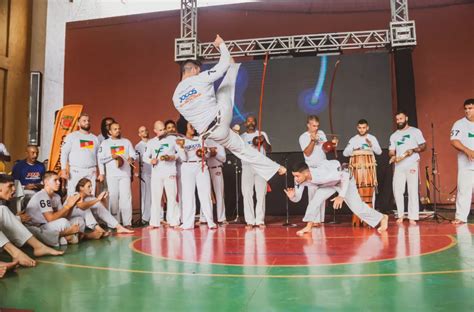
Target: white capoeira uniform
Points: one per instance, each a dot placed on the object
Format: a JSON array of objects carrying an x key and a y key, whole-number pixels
[
  {"x": 215, "y": 165},
  {"x": 11, "y": 229},
  {"x": 145, "y": 183},
  {"x": 210, "y": 112},
  {"x": 192, "y": 176},
  {"x": 163, "y": 176},
  {"x": 327, "y": 179},
  {"x": 463, "y": 130},
  {"x": 358, "y": 142},
  {"x": 80, "y": 151},
  {"x": 97, "y": 211},
  {"x": 313, "y": 160},
  {"x": 250, "y": 179},
  {"x": 118, "y": 179},
  {"x": 41, "y": 203},
  {"x": 406, "y": 171}
]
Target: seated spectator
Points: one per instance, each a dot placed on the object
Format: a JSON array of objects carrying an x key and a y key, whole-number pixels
[
  {"x": 90, "y": 208},
  {"x": 29, "y": 171},
  {"x": 12, "y": 229}
]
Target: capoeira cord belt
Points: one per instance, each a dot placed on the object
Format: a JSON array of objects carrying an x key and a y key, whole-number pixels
[{"x": 212, "y": 126}]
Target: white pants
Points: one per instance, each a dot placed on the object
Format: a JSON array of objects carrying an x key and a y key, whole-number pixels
[
  {"x": 12, "y": 229},
  {"x": 464, "y": 195},
  {"x": 370, "y": 216},
  {"x": 76, "y": 173},
  {"x": 217, "y": 178},
  {"x": 90, "y": 216},
  {"x": 120, "y": 199},
  {"x": 192, "y": 176},
  {"x": 50, "y": 238},
  {"x": 224, "y": 136},
  {"x": 250, "y": 179},
  {"x": 322, "y": 208},
  {"x": 408, "y": 176},
  {"x": 162, "y": 180},
  {"x": 145, "y": 204},
  {"x": 62, "y": 224}
]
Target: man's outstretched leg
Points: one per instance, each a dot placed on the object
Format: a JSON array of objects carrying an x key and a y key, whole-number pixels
[{"x": 222, "y": 134}]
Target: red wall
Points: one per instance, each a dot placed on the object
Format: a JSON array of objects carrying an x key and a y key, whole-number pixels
[{"x": 124, "y": 66}]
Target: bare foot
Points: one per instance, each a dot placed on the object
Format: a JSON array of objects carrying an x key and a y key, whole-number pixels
[
  {"x": 317, "y": 224},
  {"x": 305, "y": 230},
  {"x": 249, "y": 226},
  {"x": 214, "y": 227},
  {"x": 152, "y": 227},
  {"x": 72, "y": 239},
  {"x": 47, "y": 251},
  {"x": 281, "y": 170},
  {"x": 7, "y": 266},
  {"x": 412, "y": 222},
  {"x": 262, "y": 226},
  {"x": 224, "y": 222},
  {"x": 400, "y": 220},
  {"x": 96, "y": 234},
  {"x": 73, "y": 229},
  {"x": 122, "y": 230},
  {"x": 457, "y": 221},
  {"x": 383, "y": 224},
  {"x": 22, "y": 259},
  {"x": 164, "y": 223}
]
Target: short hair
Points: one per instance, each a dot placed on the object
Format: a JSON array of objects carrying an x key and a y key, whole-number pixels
[
  {"x": 189, "y": 64},
  {"x": 299, "y": 167},
  {"x": 363, "y": 122},
  {"x": 312, "y": 117},
  {"x": 401, "y": 111},
  {"x": 81, "y": 183},
  {"x": 170, "y": 121},
  {"x": 181, "y": 125},
  {"x": 48, "y": 174},
  {"x": 6, "y": 178},
  {"x": 469, "y": 102},
  {"x": 32, "y": 145},
  {"x": 83, "y": 115}
]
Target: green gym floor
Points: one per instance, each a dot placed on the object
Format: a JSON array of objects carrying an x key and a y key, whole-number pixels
[{"x": 427, "y": 267}]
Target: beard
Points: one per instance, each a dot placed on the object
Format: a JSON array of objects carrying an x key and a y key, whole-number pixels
[
  {"x": 401, "y": 125},
  {"x": 251, "y": 127},
  {"x": 85, "y": 128}
]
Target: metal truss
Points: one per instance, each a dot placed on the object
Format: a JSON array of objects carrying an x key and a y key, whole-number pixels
[{"x": 401, "y": 34}]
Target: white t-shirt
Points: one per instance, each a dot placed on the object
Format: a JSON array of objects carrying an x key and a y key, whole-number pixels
[
  {"x": 195, "y": 98},
  {"x": 41, "y": 203},
  {"x": 121, "y": 147},
  {"x": 220, "y": 157},
  {"x": 155, "y": 148},
  {"x": 463, "y": 130},
  {"x": 3, "y": 150},
  {"x": 248, "y": 139},
  {"x": 80, "y": 150},
  {"x": 190, "y": 148},
  {"x": 318, "y": 155},
  {"x": 359, "y": 142},
  {"x": 403, "y": 140},
  {"x": 141, "y": 148}
]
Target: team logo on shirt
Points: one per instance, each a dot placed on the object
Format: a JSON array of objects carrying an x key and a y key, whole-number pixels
[
  {"x": 404, "y": 138},
  {"x": 32, "y": 175},
  {"x": 66, "y": 122},
  {"x": 117, "y": 150},
  {"x": 87, "y": 144},
  {"x": 162, "y": 148},
  {"x": 188, "y": 97},
  {"x": 365, "y": 145},
  {"x": 470, "y": 135}
]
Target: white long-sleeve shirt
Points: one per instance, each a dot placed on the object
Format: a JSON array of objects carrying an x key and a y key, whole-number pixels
[
  {"x": 121, "y": 147},
  {"x": 195, "y": 97},
  {"x": 358, "y": 142},
  {"x": 80, "y": 150},
  {"x": 220, "y": 157},
  {"x": 327, "y": 174},
  {"x": 155, "y": 148},
  {"x": 248, "y": 139}
]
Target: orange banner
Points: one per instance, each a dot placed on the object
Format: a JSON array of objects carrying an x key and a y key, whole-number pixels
[{"x": 66, "y": 122}]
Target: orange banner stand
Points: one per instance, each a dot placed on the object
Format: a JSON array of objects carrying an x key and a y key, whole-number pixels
[{"x": 66, "y": 122}]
